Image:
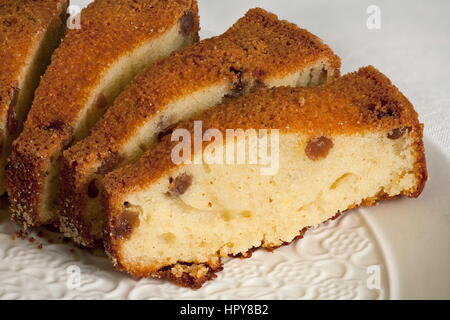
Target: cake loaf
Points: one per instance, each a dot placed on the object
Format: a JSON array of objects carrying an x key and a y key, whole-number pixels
[
  {"x": 115, "y": 41},
  {"x": 29, "y": 33},
  {"x": 258, "y": 50},
  {"x": 352, "y": 142}
]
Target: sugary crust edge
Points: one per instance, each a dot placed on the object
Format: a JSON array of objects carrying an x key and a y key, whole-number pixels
[{"x": 421, "y": 163}]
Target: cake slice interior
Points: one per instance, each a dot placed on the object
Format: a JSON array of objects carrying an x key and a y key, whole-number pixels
[{"x": 352, "y": 142}]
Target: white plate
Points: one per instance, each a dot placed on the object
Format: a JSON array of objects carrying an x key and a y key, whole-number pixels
[
  {"x": 404, "y": 243},
  {"x": 406, "y": 240}
]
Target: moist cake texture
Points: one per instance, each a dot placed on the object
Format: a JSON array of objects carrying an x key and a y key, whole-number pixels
[
  {"x": 258, "y": 51},
  {"x": 116, "y": 40},
  {"x": 352, "y": 142},
  {"x": 29, "y": 32}
]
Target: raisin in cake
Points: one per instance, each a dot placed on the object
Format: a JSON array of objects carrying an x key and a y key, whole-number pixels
[
  {"x": 349, "y": 143},
  {"x": 29, "y": 32},
  {"x": 115, "y": 41},
  {"x": 259, "y": 50}
]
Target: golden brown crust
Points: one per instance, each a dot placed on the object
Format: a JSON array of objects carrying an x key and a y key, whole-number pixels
[
  {"x": 421, "y": 164},
  {"x": 257, "y": 46},
  {"x": 363, "y": 101},
  {"x": 109, "y": 29}
]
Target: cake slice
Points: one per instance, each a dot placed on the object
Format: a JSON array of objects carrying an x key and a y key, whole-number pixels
[
  {"x": 116, "y": 40},
  {"x": 29, "y": 32},
  {"x": 259, "y": 50},
  {"x": 352, "y": 142}
]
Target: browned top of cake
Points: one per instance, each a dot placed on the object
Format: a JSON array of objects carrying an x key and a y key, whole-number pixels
[
  {"x": 109, "y": 29},
  {"x": 22, "y": 22},
  {"x": 255, "y": 46},
  {"x": 362, "y": 101}
]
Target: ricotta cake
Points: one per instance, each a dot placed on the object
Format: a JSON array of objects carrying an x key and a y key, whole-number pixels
[
  {"x": 29, "y": 33},
  {"x": 352, "y": 142},
  {"x": 115, "y": 41},
  {"x": 258, "y": 50}
]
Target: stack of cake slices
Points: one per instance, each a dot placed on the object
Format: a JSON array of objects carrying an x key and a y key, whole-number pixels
[
  {"x": 29, "y": 32},
  {"x": 258, "y": 51},
  {"x": 115, "y": 41},
  {"x": 129, "y": 149}
]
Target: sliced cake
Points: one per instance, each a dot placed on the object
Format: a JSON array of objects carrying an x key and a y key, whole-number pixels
[
  {"x": 352, "y": 142},
  {"x": 29, "y": 33},
  {"x": 259, "y": 50},
  {"x": 115, "y": 41}
]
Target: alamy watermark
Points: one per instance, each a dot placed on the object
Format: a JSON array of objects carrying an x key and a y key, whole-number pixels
[
  {"x": 73, "y": 277},
  {"x": 373, "y": 21},
  {"x": 235, "y": 147},
  {"x": 373, "y": 281}
]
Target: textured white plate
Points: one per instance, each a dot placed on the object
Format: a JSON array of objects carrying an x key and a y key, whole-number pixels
[{"x": 403, "y": 243}]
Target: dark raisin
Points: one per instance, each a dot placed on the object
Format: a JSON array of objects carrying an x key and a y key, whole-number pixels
[
  {"x": 57, "y": 125},
  {"x": 187, "y": 23},
  {"x": 180, "y": 185},
  {"x": 125, "y": 223},
  {"x": 239, "y": 85},
  {"x": 396, "y": 133},
  {"x": 318, "y": 148},
  {"x": 101, "y": 102},
  {"x": 93, "y": 189},
  {"x": 166, "y": 132}
]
